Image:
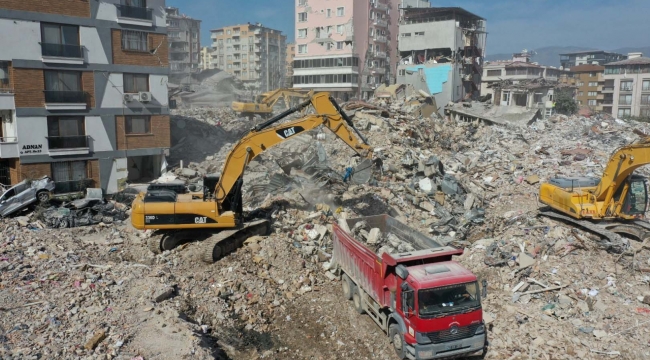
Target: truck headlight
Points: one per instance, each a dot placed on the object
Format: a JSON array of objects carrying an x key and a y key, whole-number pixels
[
  {"x": 422, "y": 338},
  {"x": 480, "y": 329}
]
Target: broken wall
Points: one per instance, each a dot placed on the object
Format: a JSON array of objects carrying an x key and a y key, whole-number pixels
[{"x": 438, "y": 80}]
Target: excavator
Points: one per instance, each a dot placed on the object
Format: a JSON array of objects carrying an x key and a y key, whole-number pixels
[
  {"x": 265, "y": 102},
  {"x": 216, "y": 215},
  {"x": 613, "y": 205}
]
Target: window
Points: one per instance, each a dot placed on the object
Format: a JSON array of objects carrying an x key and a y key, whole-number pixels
[
  {"x": 229, "y": 32},
  {"x": 592, "y": 102},
  {"x": 538, "y": 97},
  {"x": 302, "y": 49},
  {"x": 625, "y": 100},
  {"x": 302, "y": 17},
  {"x": 581, "y": 93},
  {"x": 580, "y": 83},
  {"x": 138, "y": 125},
  {"x": 302, "y": 2},
  {"x": 135, "y": 40},
  {"x": 340, "y": 29},
  {"x": 646, "y": 85},
  {"x": 302, "y": 33},
  {"x": 4, "y": 73},
  {"x": 60, "y": 34},
  {"x": 624, "y": 112},
  {"x": 134, "y": 83},
  {"x": 328, "y": 30},
  {"x": 339, "y": 45},
  {"x": 65, "y": 126},
  {"x": 420, "y": 33},
  {"x": 645, "y": 113},
  {"x": 626, "y": 86},
  {"x": 645, "y": 99},
  {"x": 135, "y": 3},
  {"x": 401, "y": 72},
  {"x": 406, "y": 34},
  {"x": 592, "y": 74},
  {"x": 494, "y": 72},
  {"x": 66, "y": 171},
  {"x": 62, "y": 80},
  {"x": 329, "y": 46},
  {"x": 593, "y": 83},
  {"x": 329, "y": 13},
  {"x": 172, "y": 23},
  {"x": 592, "y": 93},
  {"x": 340, "y": 11}
]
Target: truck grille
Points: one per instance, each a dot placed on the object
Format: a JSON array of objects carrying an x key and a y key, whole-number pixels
[{"x": 446, "y": 335}]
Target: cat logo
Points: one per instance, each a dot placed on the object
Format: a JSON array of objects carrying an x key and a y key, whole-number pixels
[
  {"x": 200, "y": 220},
  {"x": 288, "y": 132}
]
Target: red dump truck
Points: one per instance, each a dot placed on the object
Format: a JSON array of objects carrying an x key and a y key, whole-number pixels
[{"x": 428, "y": 304}]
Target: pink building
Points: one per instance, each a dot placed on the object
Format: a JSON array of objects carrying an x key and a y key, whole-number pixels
[{"x": 346, "y": 47}]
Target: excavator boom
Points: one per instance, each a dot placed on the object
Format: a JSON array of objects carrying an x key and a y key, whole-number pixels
[{"x": 267, "y": 101}]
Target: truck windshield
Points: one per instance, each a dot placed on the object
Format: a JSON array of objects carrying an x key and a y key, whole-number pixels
[{"x": 448, "y": 299}]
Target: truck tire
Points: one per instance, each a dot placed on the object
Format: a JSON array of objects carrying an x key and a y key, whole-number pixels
[
  {"x": 348, "y": 287},
  {"x": 356, "y": 299},
  {"x": 397, "y": 339}
]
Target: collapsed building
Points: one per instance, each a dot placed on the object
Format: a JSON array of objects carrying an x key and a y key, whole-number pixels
[{"x": 441, "y": 51}]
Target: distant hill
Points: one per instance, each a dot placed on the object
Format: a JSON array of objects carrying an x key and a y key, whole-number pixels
[{"x": 550, "y": 55}]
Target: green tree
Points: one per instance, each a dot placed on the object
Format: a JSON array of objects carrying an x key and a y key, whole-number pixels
[{"x": 564, "y": 102}]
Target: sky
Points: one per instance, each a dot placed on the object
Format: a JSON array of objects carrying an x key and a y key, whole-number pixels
[{"x": 512, "y": 25}]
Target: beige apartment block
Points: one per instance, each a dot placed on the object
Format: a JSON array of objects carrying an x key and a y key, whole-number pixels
[{"x": 626, "y": 92}]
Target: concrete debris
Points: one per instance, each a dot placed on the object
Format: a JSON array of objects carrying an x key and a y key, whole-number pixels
[{"x": 469, "y": 184}]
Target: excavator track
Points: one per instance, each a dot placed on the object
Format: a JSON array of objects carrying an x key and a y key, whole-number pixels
[
  {"x": 228, "y": 241},
  {"x": 164, "y": 240},
  {"x": 587, "y": 225}
]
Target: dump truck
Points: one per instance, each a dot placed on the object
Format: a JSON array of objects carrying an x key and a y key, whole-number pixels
[{"x": 428, "y": 304}]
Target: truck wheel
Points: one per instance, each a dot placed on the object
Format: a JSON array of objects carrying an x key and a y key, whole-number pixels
[
  {"x": 398, "y": 341},
  {"x": 348, "y": 287},
  {"x": 356, "y": 299}
]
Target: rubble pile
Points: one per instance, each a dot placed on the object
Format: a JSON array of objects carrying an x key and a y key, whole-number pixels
[{"x": 551, "y": 290}]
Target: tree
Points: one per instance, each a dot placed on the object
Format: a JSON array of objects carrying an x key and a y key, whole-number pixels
[{"x": 564, "y": 102}]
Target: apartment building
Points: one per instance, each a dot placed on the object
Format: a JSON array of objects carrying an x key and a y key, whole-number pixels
[
  {"x": 206, "y": 58},
  {"x": 589, "y": 57},
  {"x": 589, "y": 81},
  {"x": 346, "y": 47},
  {"x": 184, "y": 37},
  {"x": 626, "y": 91},
  {"x": 291, "y": 54},
  {"x": 83, "y": 94},
  {"x": 252, "y": 53},
  {"x": 520, "y": 82},
  {"x": 441, "y": 51}
]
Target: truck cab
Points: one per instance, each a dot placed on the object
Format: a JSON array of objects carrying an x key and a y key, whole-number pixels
[{"x": 440, "y": 307}]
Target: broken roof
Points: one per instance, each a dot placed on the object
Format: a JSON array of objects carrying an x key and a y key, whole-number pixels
[
  {"x": 587, "y": 68},
  {"x": 424, "y": 13},
  {"x": 634, "y": 61}
]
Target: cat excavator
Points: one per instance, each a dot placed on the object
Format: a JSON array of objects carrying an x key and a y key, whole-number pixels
[
  {"x": 265, "y": 102},
  {"x": 216, "y": 216},
  {"x": 613, "y": 205}
]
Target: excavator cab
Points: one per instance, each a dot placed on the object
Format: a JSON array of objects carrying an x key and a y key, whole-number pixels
[{"x": 636, "y": 198}]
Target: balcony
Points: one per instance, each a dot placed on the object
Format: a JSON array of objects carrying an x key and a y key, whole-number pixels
[
  {"x": 178, "y": 49},
  {"x": 378, "y": 70},
  {"x": 65, "y": 100},
  {"x": 381, "y": 23},
  {"x": 608, "y": 89},
  {"x": 381, "y": 39},
  {"x": 134, "y": 15},
  {"x": 62, "y": 53},
  {"x": 381, "y": 7},
  {"x": 380, "y": 55},
  {"x": 68, "y": 145},
  {"x": 5, "y": 86},
  {"x": 9, "y": 147}
]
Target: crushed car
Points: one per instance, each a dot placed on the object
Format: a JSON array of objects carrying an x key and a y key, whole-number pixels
[
  {"x": 91, "y": 210},
  {"x": 24, "y": 194}
]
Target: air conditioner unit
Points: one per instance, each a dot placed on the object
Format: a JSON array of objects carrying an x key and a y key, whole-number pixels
[
  {"x": 127, "y": 97},
  {"x": 145, "y": 96}
]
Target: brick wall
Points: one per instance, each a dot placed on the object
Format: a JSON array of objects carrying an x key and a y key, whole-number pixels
[
  {"x": 34, "y": 171},
  {"x": 88, "y": 84},
  {"x": 28, "y": 86},
  {"x": 128, "y": 57},
  {"x": 93, "y": 172},
  {"x": 14, "y": 168},
  {"x": 160, "y": 136},
  {"x": 79, "y": 8}
]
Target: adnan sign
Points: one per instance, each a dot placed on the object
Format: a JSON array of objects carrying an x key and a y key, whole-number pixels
[{"x": 31, "y": 149}]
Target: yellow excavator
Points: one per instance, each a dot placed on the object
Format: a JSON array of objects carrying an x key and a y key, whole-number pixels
[
  {"x": 265, "y": 102},
  {"x": 216, "y": 215},
  {"x": 614, "y": 204}
]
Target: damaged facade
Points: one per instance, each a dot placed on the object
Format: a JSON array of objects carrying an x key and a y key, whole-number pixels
[
  {"x": 345, "y": 47},
  {"x": 441, "y": 52},
  {"x": 184, "y": 36},
  {"x": 84, "y": 95},
  {"x": 253, "y": 53},
  {"x": 522, "y": 83}
]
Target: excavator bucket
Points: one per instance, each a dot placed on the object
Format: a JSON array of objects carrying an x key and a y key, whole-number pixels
[{"x": 362, "y": 172}]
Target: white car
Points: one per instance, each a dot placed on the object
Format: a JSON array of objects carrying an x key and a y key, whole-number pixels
[{"x": 24, "y": 194}]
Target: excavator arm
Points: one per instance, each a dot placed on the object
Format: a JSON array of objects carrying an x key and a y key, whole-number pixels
[
  {"x": 264, "y": 136},
  {"x": 285, "y": 94},
  {"x": 620, "y": 166}
]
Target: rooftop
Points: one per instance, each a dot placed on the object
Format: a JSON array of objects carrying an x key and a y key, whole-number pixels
[
  {"x": 423, "y": 13},
  {"x": 587, "y": 68},
  {"x": 633, "y": 61},
  {"x": 590, "y": 52},
  {"x": 521, "y": 64}
]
